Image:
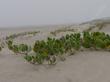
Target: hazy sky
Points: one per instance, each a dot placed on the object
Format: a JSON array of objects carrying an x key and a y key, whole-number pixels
[{"x": 41, "y": 12}]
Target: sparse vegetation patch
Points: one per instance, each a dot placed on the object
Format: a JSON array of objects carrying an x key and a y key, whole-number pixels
[
  {"x": 51, "y": 49},
  {"x": 13, "y": 36},
  {"x": 62, "y": 30}
]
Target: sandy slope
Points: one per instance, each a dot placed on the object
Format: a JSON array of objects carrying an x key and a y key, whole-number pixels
[
  {"x": 106, "y": 29},
  {"x": 87, "y": 66},
  {"x": 82, "y": 67}
]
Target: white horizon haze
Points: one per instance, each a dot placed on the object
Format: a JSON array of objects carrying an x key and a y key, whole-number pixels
[{"x": 15, "y": 13}]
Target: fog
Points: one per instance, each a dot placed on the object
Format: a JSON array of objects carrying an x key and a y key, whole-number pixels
[{"x": 14, "y": 13}]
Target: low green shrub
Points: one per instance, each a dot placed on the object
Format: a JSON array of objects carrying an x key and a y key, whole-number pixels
[
  {"x": 20, "y": 48},
  {"x": 49, "y": 50}
]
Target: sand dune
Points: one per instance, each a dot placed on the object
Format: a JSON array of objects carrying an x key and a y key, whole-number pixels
[{"x": 86, "y": 66}]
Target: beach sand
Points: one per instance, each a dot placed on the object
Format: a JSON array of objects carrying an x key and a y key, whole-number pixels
[{"x": 86, "y": 66}]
